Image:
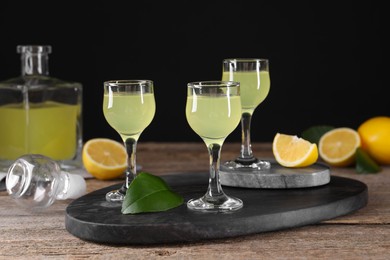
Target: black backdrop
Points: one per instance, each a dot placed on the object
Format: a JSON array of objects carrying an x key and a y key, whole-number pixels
[{"x": 326, "y": 60}]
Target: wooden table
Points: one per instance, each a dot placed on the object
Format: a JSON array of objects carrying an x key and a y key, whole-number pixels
[{"x": 364, "y": 234}]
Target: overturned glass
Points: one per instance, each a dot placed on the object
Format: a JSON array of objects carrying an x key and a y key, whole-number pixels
[{"x": 35, "y": 181}]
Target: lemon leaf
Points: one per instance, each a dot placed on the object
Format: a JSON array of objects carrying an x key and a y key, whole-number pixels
[
  {"x": 364, "y": 163},
  {"x": 314, "y": 133},
  {"x": 149, "y": 193}
]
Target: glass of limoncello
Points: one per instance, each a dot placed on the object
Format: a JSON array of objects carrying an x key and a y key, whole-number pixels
[
  {"x": 254, "y": 78},
  {"x": 213, "y": 111},
  {"x": 129, "y": 107}
]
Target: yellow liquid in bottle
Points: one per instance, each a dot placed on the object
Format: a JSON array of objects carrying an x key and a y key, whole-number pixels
[{"x": 48, "y": 128}]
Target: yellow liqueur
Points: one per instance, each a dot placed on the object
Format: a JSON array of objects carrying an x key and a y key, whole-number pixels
[{"x": 40, "y": 114}]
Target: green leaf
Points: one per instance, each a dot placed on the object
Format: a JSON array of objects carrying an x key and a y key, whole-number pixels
[
  {"x": 314, "y": 133},
  {"x": 364, "y": 163},
  {"x": 149, "y": 193}
]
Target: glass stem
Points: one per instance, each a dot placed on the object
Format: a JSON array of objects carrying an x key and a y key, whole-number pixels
[
  {"x": 214, "y": 190},
  {"x": 131, "y": 172},
  {"x": 246, "y": 155}
]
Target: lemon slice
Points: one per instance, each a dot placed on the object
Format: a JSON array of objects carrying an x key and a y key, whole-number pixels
[
  {"x": 104, "y": 158},
  {"x": 292, "y": 151},
  {"x": 338, "y": 146}
]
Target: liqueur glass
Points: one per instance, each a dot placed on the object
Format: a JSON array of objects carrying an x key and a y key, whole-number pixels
[
  {"x": 254, "y": 78},
  {"x": 129, "y": 107},
  {"x": 213, "y": 110}
]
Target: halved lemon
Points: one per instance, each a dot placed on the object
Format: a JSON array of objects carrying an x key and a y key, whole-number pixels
[
  {"x": 292, "y": 151},
  {"x": 104, "y": 158},
  {"x": 338, "y": 146}
]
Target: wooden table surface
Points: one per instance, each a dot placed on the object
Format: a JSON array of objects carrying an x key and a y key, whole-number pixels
[{"x": 364, "y": 234}]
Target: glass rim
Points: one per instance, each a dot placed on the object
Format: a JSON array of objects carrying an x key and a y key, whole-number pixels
[
  {"x": 213, "y": 84},
  {"x": 33, "y": 48},
  {"x": 124, "y": 82},
  {"x": 246, "y": 59}
]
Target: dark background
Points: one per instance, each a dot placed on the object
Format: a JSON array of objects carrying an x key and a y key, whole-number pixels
[{"x": 326, "y": 60}]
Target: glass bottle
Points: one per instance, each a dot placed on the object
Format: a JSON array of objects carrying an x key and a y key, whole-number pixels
[
  {"x": 40, "y": 114},
  {"x": 35, "y": 182}
]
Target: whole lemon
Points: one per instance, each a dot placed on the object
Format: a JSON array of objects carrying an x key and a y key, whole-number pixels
[{"x": 375, "y": 138}]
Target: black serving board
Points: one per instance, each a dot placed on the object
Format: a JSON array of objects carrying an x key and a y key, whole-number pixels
[{"x": 93, "y": 219}]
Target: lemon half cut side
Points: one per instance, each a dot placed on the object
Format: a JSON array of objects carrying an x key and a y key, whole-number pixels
[
  {"x": 104, "y": 158},
  {"x": 338, "y": 146},
  {"x": 292, "y": 151}
]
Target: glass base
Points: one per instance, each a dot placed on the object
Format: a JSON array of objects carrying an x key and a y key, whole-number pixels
[
  {"x": 220, "y": 204},
  {"x": 253, "y": 163},
  {"x": 115, "y": 196}
]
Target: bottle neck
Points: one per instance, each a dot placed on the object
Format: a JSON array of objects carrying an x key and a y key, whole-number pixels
[{"x": 35, "y": 64}]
